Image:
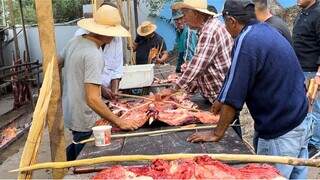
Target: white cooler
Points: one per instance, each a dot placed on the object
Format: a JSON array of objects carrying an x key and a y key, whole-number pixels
[{"x": 137, "y": 76}]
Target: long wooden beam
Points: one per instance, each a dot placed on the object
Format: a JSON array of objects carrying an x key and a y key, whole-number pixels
[
  {"x": 54, "y": 117},
  {"x": 242, "y": 158}
]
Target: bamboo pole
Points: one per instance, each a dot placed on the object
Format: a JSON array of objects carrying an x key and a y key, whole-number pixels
[
  {"x": 242, "y": 158},
  {"x": 35, "y": 134},
  {"x": 54, "y": 117},
  {"x": 150, "y": 133}
]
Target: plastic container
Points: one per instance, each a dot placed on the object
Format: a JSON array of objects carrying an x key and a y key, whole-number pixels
[
  {"x": 102, "y": 135},
  {"x": 137, "y": 76}
]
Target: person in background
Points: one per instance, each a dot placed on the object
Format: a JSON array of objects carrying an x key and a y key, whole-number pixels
[
  {"x": 82, "y": 62},
  {"x": 306, "y": 42},
  {"x": 113, "y": 61},
  {"x": 186, "y": 40},
  {"x": 270, "y": 82},
  {"x": 263, "y": 14},
  {"x": 149, "y": 46}
]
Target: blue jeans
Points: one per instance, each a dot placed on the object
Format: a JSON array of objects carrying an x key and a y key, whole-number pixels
[
  {"x": 73, "y": 150},
  {"x": 315, "y": 115},
  {"x": 294, "y": 144}
]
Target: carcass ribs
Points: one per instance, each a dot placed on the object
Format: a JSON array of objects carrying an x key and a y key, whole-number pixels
[
  {"x": 202, "y": 167},
  {"x": 166, "y": 106}
]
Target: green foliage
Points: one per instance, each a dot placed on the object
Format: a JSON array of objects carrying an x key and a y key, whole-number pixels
[
  {"x": 63, "y": 10},
  {"x": 156, "y": 5}
]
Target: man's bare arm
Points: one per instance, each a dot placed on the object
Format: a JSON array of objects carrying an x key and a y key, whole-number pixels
[
  {"x": 94, "y": 101},
  {"x": 115, "y": 85}
]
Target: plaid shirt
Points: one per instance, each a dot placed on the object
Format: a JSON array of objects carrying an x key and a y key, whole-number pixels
[{"x": 211, "y": 60}]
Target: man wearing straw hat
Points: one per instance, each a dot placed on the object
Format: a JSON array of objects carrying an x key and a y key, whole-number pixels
[
  {"x": 266, "y": 75},
  {"x": 113, "y": 61},
  {"x": 212, "y": 59},
  {"x": 83, "y": 65},
  {"x": 149, "y": 46}
]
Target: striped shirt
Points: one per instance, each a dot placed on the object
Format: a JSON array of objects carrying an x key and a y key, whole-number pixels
[{"x": 211, "y": 61}]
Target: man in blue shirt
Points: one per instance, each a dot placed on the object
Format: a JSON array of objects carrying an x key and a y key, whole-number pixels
[
  {"x": 186, "y": 40},
  {"x": 266, "y": 75}
]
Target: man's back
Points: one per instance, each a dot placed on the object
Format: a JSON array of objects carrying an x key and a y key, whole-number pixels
[
  {"x": 281, "y": 26},
  {"x": 82, "y": 64},
  {"x": 266, "y": 74}
]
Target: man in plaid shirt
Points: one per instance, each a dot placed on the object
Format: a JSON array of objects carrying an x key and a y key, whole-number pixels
[{"x": 213, "y": 54}]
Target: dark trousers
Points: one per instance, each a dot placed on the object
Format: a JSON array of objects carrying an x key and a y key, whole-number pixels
[{"x": 73, "y": 150}]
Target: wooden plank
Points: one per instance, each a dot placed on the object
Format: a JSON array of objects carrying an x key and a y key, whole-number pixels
[
  {"x": 177, "y": 143},
  {"x": 54, "y": 118},
  {"x": 149, "y": 145},
  {"x": 91, "y": 151},
  {"x": 231, "y": 144}
]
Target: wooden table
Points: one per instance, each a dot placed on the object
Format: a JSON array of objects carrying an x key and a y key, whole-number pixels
[{"x": 164, "y": 144}]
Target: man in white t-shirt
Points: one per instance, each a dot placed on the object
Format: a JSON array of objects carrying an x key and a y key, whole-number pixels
[{"x": 113, "y": 69}]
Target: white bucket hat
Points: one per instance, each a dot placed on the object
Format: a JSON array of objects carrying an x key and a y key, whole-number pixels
[
  {"x": 198, "y": 5},
  {"x": 106, "y": 21}
]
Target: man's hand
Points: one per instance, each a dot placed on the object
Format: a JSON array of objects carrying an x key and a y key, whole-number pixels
[
  {"x": 107, "y": 93},
  {"x": 204, "y": 137},
  {"x": 216, "y": 107},
  {"x": 127, "y": 125}
]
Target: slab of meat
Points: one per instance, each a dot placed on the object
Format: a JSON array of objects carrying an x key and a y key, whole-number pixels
[
  {"x": 166, "y": 106},
  {"x": 202, "y": 167}
]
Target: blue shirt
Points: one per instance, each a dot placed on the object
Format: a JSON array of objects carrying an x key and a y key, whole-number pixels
[
  {"x": 265, "y": 73},
  {"x": 186, "y": 42}
]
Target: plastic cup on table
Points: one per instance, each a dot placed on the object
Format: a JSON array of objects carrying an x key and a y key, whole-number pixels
[{"x": 102, "y": 135}]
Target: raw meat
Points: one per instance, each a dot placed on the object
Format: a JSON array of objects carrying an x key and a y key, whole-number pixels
[
  {"x": 170, "y": 79},
  {"x": 202, "y": 167},
  {"x": 166, "y": 106},
  {"x": 7, "y": 134}
]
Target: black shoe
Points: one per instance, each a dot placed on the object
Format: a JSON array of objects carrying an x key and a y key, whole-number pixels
[{"x": 312, "y": 150}]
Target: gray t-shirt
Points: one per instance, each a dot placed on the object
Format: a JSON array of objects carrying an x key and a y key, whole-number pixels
[{"x": 83, "y": 63}]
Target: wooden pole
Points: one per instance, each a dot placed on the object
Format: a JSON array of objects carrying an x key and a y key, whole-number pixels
[
  {"x": 13, "y": 25},
  {"x": 242, "y": 158},
  {"x": 130, "y": 41},
  {"x": 30, "y": 149},
  {"x": 54, "y": 118}
]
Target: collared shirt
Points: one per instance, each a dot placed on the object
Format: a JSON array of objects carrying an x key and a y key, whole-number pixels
[
  {"x": 146, "y": 44},
  {"x": 306, "y": 37},
  {"x": 211, "y": 61},
  {"x": 113, "y": 59},
  {"x": 269, "y": 81},
  {"x": 186, "y": 42}
]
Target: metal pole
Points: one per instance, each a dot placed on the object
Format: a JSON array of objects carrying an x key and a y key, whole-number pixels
[
  {"x": 4, "y": 22},
  {"x": 136, "y": 18},
  {"x": 13, "y": 25},
  {"x": 24, "y": 32}
]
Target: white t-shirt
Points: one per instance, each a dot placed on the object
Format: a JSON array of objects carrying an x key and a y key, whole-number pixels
[{"x": 113, "y": 59}]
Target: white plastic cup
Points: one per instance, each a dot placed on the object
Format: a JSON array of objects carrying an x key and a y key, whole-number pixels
[{"x": 102, "y": 135}]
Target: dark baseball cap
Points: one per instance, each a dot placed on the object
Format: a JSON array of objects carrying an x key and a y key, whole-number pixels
[{"x": 237, "y": 8}]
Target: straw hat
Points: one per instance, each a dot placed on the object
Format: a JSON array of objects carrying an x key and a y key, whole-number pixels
[
  {"x": 198, "y": 5},
  {"x": 106, "y": 22},
  {"x": 146, "y": 28}
]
